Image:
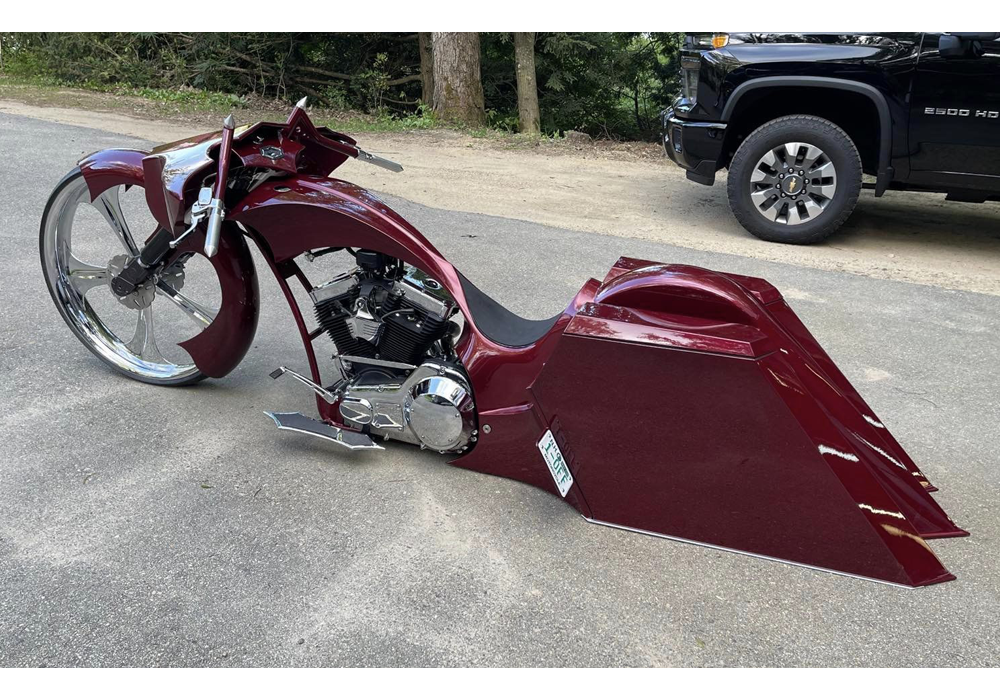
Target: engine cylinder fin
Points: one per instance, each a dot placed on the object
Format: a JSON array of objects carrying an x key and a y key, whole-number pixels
[
  {"x": 408, "y": 334},
  {"x": 332, "y": 315}
]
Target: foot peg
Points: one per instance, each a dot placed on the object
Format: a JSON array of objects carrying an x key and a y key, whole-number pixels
[{"x": 302, "y": 424}]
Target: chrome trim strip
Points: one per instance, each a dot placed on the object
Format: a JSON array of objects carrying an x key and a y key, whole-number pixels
[
  {"x": 377, "y": 363},
  {"x": 749, "y": 554},
  {"x": 677, "y": 121}
]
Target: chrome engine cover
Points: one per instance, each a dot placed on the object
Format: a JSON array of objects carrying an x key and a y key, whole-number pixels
[{"x": 433, "y": 407}]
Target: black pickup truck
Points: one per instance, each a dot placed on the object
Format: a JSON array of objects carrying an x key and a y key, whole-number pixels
[{"x": 799, "y": 118}]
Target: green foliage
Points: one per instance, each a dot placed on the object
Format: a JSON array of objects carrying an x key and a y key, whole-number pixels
[
  {"x": 373, "y": 83},
  {"x": 608, "y": 84},
  {"x": 423, "y": 118}
]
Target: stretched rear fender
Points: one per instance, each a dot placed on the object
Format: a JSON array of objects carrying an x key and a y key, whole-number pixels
[{"x": 724, "y": 423}]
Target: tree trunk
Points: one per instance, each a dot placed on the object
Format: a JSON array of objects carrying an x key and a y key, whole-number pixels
[
  {"x": 527, "y": 90},
  {"x": 458, "y": 87},
  {"x": 426, "y": 49}
]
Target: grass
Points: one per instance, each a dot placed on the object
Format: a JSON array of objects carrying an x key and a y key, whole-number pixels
[
  {"x": 202, "y": 106},
  {"x": 169, "y": 102}
]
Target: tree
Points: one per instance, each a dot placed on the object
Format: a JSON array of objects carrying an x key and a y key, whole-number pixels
[
  {"x": 426, "y": 49},
  {"x": 527, "y": 91},
  {"x": 458, "y": 86}
]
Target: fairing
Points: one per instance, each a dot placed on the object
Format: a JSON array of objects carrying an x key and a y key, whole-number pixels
[{"x": 181, "y": 167}]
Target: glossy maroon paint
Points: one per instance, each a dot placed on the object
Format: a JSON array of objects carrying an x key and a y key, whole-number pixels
[
  {"x": 778, "y": 451},
  {"x": 687, "y": 403},
  {"x": 235, "y": 324},
  {"x": 224, "y": 157},
  {"x": 106, "y": 169}
]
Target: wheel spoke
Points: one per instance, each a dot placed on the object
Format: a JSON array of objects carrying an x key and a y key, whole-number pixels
[
  {"x": 794, "y": 217},
  {"x": 822, "y": 171},
  {"x": 201, "y": 315},
  {"x": 812, "y": 155},
  {"x": 763, "y": 177},
  {"x": 792, "y": 152},
  {"x": 761, "y": 196},
  {"x": 110, "y": 207},
  {"x": 825, "y": 191},
  {"x": 812, "y": 208},
  {"x": 772, "y": 211},
  {"x": 143, "y": 343},
  {"x": 83, "y": 276}
]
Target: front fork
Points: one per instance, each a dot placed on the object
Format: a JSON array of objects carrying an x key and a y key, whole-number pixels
[{"x": 209, "y": 206}]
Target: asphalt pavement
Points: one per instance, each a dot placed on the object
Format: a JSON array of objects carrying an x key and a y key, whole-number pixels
[{"x": 151, "y": 526}]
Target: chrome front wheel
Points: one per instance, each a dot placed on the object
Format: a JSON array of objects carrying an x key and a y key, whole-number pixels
[{"x": 83, "y": 245}]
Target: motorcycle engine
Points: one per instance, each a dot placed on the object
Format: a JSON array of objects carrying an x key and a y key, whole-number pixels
[{"x": 395, "y": 338}]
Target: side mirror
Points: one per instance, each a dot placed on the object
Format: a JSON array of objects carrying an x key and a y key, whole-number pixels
[{"x": 964, "y": 44}]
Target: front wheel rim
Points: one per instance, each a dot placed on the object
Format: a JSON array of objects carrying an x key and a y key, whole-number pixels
[
  {"x": 793, "y": 183},
  {"x": 71, "y": 280}
]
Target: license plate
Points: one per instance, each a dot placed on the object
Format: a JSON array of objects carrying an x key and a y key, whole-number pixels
[{"x": 557, "y": 465}]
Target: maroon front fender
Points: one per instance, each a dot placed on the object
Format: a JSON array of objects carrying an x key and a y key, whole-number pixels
[
  {"x": 106, "y": 169},
  {"x": 220, "y": 347}
]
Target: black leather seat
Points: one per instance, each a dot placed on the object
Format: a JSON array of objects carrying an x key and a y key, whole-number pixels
[{"x": 499, "y": 324}]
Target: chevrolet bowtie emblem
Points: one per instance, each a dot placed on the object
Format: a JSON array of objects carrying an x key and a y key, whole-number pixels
[{"x": 792, "y": 185}]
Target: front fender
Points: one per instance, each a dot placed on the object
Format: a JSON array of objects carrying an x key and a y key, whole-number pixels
[
  {"x": 220, "y": 347},
  {"x": 116, "y": 166}
]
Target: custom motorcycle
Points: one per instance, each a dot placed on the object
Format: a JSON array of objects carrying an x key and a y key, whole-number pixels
[{"x": 665, "y": 399}]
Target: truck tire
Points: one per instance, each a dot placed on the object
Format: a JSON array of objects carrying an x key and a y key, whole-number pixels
[{"x": 795, "y": 179}]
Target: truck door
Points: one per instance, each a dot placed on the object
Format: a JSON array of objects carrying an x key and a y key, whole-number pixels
[{"x": 955, "y": 112}]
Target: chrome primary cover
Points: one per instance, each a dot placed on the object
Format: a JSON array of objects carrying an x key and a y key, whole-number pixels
[
  {"x": 434, "y": 412},
  {"x": 432, "y": 407}
]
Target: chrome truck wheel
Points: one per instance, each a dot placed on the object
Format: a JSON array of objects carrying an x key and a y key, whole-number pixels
[
  {"x": 795, "y": 180},
  {"x": 793, "y": 183},
  {"x": 83, "y": 244}
]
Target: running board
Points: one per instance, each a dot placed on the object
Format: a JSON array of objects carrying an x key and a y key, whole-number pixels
[{"x": 301, "y": 424}]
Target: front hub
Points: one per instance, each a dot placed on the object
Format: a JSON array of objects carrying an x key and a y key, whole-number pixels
[
  {"x": 130, "y": 296},
  {"x": 793, "y": 185}
]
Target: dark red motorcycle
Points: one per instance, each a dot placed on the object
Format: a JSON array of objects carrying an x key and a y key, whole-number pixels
[{"x": 665, "y": 399}]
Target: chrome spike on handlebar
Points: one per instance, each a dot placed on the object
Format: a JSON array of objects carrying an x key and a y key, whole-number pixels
[
  {"x": 379, "y": 161},
  {"x": 301, "y": 104},
  {"x": 229, "y": 122}
]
